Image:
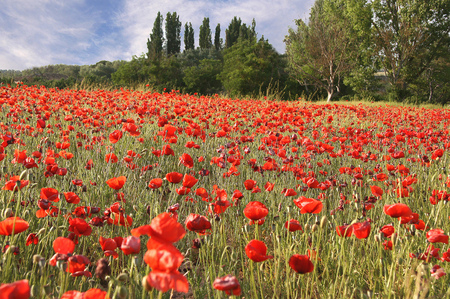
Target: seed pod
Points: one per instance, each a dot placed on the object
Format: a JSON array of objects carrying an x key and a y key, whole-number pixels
[
  {"x": 146, "y": 285},
  {"x": 323, "y": 222},
  {"x": 123, "y": 277}
]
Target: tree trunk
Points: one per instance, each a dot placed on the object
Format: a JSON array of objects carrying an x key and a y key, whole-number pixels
[{"x": 330, "y": 95}]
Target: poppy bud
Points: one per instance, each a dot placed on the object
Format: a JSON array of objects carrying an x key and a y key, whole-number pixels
[
  {"x": 323, "y": 222},
  {"x": 377, "y": 238},
  {"x": 8, "y": 212},
  {"x": 122, "y": 277},
  {"x": 48, "y": 290},
  {"x": 314, "y": 227},
  {"x": 121, "y": 292},
  {"x": 146, "y": 285}
]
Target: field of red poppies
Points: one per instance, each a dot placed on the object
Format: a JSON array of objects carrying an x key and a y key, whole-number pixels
[{"x": 132, "y": 194}]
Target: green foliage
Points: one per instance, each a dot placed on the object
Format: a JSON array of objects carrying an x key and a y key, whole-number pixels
[
  {"x": 237, "y": 30},
  {"x": 217, "y": 40},
  {"x": 250, "y": 67},
  {"x": 205, "y": 35},
  {"x": 173, "y": 31},
  {"x": 202, "y": 78},
  {"x": 322, "y": 52},
  {"x": 135, "y": 71},
  {"x": 189, "y": 42},
  {"x": 156, "y": 41}
]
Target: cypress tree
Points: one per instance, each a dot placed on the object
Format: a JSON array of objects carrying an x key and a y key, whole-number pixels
[
  {"x": 173, "y": 30},
  {"x": 188, "y": 37},
  {"x": 156, "y": 41},
  {"x": 217, "y": 39},
  {"x": 205, "y": 35}
]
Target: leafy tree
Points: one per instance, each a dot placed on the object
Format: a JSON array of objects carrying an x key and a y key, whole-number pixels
[
  {"x": 202, "y": 78},
  {"x": 189, "y": 42},
  {"x": 173, "y": 30},
  {"x": 156, "y": 41},
  {"x": 232, "y": 32},
  {"x": 408, "y": 36},
  {"x": 320, "y": 53},
  {"x": 217, "y": 40},
  {"x": 250, "y": 67},
  {"x": 130, "y": 73},
  {"x": 205, "y": 35}
]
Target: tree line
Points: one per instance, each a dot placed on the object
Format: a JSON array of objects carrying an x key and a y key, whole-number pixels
[{"x": 393, "y": 50}]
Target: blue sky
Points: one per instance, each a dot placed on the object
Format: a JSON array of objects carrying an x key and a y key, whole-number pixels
[{"x": 43, "y": 32}]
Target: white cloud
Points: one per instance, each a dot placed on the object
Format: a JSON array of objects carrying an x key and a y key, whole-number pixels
[
  {"x": 42, "y": 32},
  {"x": 273, "y": 18}
]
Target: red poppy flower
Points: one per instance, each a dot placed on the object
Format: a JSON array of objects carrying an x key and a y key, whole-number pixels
[
  {"x": 164, "y": 281},
  {"x": 301, "y": 264},
  {"x": 77, "y": 263},
  {"x": 183, "y": 190},
  {"x": 255, "y": 210},
  {"x": 293, "y": 225},
  {"x": 257, "y": 251},
  {"x": 387, "y": 230},
  {"x": 162, "y": 227},
  {"x": 32, "y": 239},
  {"x": 107, "y": 243},
  {"x": 12, "y": 225},
  {"x": 437, "y": 236},
  {"x": 219, "y": 206},
  {"x": 115, "y": 136},
  {"x": 71, "y": 197},
  {"x": 344, "y": 230},
  {"x": 237, "y": 195},
  {"x": 14, "y": 184},
  {"x": 308, "y": 205},
  {"x": 186, "y": 160},
  {"x": 89, "y": 294},
  {"x": 111, "y": 158},
  {"x": 376, "y": 191},
  {"x": 80, "y": 227},
  {"x": 165, "y": 258},
  {"x": 197, "y": 223},
  {"x": 131, "y": 245},
  {"x": 397, "y": 210},
  {"x": 361, "y": 230},
  {"x": 202, "y": 193},
  {"x": 269, "y": 186},
  {"x": 63, "y": 245},
  {"x": 189, "y": 181},
  {"x": 289, "y": 192},
  {"x": 155, "y": 183},
  {"x": 174, "y": 177},
  {"x": 229, "y": 284},
  {"x": 19, "y": 289},
  {"x": 117, "y": 183},
  {"x": 249, "y": 184}
]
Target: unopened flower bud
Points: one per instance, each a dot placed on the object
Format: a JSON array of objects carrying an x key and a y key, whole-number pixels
[
  {"x": 122, "y": 292},
  {"x": 123, "y": 277},
  {"x": 146, "y": 285},
  {"x": 323, "y": 222},
  {"x": 8, "y": 212}
]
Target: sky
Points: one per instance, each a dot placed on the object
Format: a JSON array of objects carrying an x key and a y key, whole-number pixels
[{"x": 43, "y": 32}]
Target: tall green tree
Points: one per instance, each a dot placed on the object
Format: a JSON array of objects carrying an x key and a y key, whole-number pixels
[
  {"x": 250, "y": 67},
  {"x": 232, "y": 32},
  {"x": 321, "y": 52},
  {"x": 173, "y": 31},
  {"x": 408, "y": 36},
  {"x": 217, "y": 40},
  {"x": 156, "y": 41},
  {"x": 189, "y": 42},
  {"x": 205, "y": 35}
]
